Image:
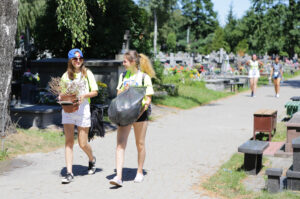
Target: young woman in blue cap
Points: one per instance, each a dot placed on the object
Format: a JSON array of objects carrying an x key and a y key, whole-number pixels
[{"x": 76, "y": 71}]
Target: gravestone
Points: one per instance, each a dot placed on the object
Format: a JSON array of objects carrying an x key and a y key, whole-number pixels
[
  {"x": 253, "y": 151},
  {"x": 296, "y": 154},
  {"x": 274, "y": 175},
  {"x": 293, "y": 174},
  {"x": 293, "y": 131},
  {"x": 172, "y": 60}
]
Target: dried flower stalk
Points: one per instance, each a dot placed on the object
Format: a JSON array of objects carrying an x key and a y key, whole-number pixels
[{"x": 58, "y": 87}]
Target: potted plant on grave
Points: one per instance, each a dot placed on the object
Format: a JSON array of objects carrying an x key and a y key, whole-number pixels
[
  {"x": 67, "y": 92},
  {"x": 29, "y": 86}
]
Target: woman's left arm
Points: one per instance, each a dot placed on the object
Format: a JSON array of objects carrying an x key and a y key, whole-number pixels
[
  {"x": 88, "y": 95},
  {"x": 148, "y": 102}
]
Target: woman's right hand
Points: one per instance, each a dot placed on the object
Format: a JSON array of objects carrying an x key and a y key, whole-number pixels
[{"x": 126, "y": 87}]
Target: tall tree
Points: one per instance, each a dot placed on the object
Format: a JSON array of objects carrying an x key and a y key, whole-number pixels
[
  {"x": 218, "y": 41},
  {"x": 105, "y": 37},
  {"x": 29, "y": 11},
  {"x": 292, "y": 28},
  {"x": 73, "y": 15},
  {"x": 232, "y": 34},
  {"x": 160, "y": 12},
  {"x": 201, "y": 25},
  {"x": 202, "y": 18},
  {"x": 8, "y": 28},
  {"x": 175, "y": 24}
]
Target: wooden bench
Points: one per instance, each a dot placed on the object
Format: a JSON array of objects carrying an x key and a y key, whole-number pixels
[
  {"x": 265, "y": 120},
  {"x": 253, "y": 151}
]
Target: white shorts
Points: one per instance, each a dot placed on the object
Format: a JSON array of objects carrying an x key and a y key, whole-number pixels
[
  {"x": 81, "y": 117},
  {"x": 253, "y": 73}
]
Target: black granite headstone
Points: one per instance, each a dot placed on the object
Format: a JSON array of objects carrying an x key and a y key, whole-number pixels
[
  {"x": 253, "y": 155},
  {"x": 273, "y": 184},
  {"x": 296, "y": 154},
  {"x": 293, "y": 180}
]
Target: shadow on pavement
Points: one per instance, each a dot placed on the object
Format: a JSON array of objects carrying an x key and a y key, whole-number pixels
[
  {"x": 292, "y": 83},
  {"x": 78, "y": 170},
  {"x": 128, "y": 175}
]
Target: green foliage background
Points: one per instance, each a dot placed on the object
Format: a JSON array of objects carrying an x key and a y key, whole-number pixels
[{"x": 98, "y": 26}]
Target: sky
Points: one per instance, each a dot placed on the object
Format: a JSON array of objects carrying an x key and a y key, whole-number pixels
[{"x": 222, "y": 7}]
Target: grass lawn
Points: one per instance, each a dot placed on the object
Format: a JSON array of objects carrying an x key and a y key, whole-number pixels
[
  {"x": 289, "y": 75},
  {"x": 190, "y": 95},
  {"x": 32, "y": 141},
  {"x": 227, "y": 182}
]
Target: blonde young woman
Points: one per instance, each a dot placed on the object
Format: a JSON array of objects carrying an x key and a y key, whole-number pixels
[
  {"x": 253, "y": 75},
  {"x": 82, "y": 117},
  {"x": 138, "y": 70}
]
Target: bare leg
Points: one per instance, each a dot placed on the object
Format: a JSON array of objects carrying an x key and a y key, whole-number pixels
[
  {"x": 140, "y": 129},
  {"x": 277, "y": 85},
  {"x": 122, "y": 137},
  {"x": 255, "y": 84},
  {"x": 69, "y": 143},
  {"x": 251, "y": 84},
  {"x": 83, "y": 141}
]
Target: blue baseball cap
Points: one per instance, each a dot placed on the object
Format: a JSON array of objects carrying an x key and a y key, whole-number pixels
[{"x": 72, "y": 53}]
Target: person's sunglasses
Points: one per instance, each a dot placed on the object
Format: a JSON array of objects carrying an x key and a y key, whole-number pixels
[{"x": 77, "y": 59}]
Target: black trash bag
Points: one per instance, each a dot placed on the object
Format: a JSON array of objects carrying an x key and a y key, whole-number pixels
[
  {"x": 126, "y": 107},
  {"x": 97, "y": 125}
]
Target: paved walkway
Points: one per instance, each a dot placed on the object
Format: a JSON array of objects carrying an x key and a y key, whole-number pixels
[{"x": 183, "y": 148}]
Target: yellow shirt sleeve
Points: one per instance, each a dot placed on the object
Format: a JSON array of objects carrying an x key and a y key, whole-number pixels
[
  {"x": 120, "y": 82},
  {"x": 92, "y": 81},
  {"x": 64, "y": 77},
  {"x": 148, "y": 84}
]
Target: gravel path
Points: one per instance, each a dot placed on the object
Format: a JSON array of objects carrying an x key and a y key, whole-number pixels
[{"x": 183, "y": 148}]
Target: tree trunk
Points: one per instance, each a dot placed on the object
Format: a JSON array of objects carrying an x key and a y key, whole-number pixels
[
  {"x": 8, "y": 27},
  {"x": 155, "y": 34},
  {"x": 188, "y": 35}
]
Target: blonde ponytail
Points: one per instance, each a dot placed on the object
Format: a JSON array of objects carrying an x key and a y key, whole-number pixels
[
  {"x": 146, "y": 66},
  {"x": 142, "y": 61}
]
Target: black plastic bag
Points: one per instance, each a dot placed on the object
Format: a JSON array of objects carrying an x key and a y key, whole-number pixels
[
  {"x": 97, "y": 125},
  {"x": 126, "y": 107}
]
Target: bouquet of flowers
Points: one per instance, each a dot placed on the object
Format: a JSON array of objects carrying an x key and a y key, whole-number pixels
[
  {"x": 68, "y": 93},
  {"x": 29, "y": 78}
]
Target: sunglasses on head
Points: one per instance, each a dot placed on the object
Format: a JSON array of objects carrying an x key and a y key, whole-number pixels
[{"x": 77, "y": 59}]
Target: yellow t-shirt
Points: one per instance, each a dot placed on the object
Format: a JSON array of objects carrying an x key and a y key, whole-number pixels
[
  {"x": 254, "y": 65},
  {"x": 136, "y": 80},
  {"x": 90, "y": 82}
]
